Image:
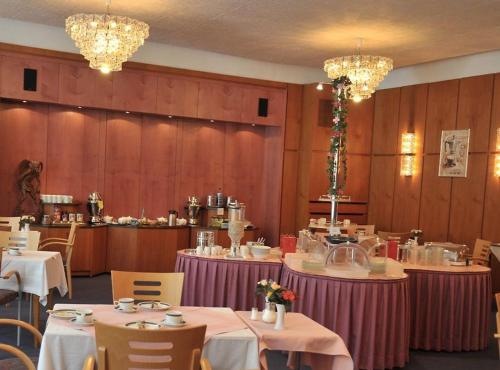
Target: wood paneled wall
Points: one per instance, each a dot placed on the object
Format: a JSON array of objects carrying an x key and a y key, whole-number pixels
[
  {"x": 142, "y": 161},
  {"x": 446, "y": 209}
]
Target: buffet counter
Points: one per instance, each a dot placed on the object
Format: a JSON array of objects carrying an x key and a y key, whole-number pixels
[
  {"x": 370, "y": 314},
  {"x": 449, "y": 307},
  {"x": 105, "y": 247}
]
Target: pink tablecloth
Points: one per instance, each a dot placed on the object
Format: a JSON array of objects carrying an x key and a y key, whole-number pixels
[
  {"x": 211, "y": 282},
  {"x": 322, "y": 348},
  {"x": 371, "y": 316},
  {"x": 449, "y": 311}
]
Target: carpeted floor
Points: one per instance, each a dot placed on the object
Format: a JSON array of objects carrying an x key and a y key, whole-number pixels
[{"x": 98, "y": 290}]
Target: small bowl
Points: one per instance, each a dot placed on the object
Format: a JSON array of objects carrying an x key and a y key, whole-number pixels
[{"x": 260, "y": 251}]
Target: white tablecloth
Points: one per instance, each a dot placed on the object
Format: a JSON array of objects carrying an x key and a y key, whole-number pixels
[
  {"x": 65, "y": 347},
  {"x": 39, "y": 270}
]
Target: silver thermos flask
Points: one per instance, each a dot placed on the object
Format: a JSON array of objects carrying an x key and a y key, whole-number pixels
[{"x": 172, "y": 218}]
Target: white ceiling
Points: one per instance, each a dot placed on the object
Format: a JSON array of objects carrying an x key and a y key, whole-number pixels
[{"x": 300, "y": 32}]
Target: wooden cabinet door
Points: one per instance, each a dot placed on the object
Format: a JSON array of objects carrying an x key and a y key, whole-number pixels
[
  {"x": 272, "y": 102},
  {"x": 13, "y": 76},
  {"x": 135, "y": 91},
  {"x": 80, "y": 258},
  {"x": 221, "y": 101},
  {"x": 81, "y": 86},
  {"x": 177, "y": 96}
]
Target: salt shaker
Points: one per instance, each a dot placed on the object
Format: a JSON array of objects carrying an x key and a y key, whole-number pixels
[{"x": 255, "y": 313}]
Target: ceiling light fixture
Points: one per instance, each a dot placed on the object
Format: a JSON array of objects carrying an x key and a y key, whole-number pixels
[
  {"x": 319, "y": 86},
  {"x": 364, "y": 71},
  {"x": 105, "y": 40}
]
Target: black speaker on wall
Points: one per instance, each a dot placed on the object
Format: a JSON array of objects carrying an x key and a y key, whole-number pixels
[
  {"x": 30, "y": 79},
  {"x": 263, "y": 103}
]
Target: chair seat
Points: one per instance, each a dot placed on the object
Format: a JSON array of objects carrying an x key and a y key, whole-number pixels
[{"x": 7, "y": 296}]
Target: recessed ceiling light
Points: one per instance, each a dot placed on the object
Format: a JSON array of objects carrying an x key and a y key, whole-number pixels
[
  {"x": 25, "y": 101},
  {"x": 253, "y": 124},
  {"x": 169, "y": 116},
  {"x": 79, "y": 107},
  {"x": 319, "y": 86},
  {"x": 212, "y": 121},
  {"x": 127, "y": 112}
]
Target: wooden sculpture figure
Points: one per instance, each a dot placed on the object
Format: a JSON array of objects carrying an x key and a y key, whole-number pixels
[{"x": 28, "y": 187}]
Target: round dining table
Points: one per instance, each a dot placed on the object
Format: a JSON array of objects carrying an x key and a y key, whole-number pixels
[
  {"x": 370, "y": 314},
  {"x": 449, "y": 307},
  {"x": 215, "y": 281}
]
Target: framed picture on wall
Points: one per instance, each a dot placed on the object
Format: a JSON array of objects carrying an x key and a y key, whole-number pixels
[{"x": 454, "y": 153}]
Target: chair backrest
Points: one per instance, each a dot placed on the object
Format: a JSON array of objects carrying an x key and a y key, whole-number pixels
[
  {"x": 13, "y": 222},
  {"x": 72, "y": 233},
  {"x": 369, "y": 229},
  {"x": 121, "y": 348},
  {"x": 403, "y": 237},
  {"x": 148, "y": 286},
  {"x": 20, "y": 239},
  {"x": 481, "y": 250}
]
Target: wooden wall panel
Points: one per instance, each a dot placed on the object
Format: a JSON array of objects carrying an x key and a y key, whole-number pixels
[
  {"x": 495, "y": 116},
  {"x": 381, "y": 191},
  {"x": 12, "y": 77},
  {"x": 244, "y": 167},
  {"x": 220, "y": 101},
  {"x": 135, "y": 91},
  {"x": 474, "y": 110},
  {"x": 441, "y": 112},
  {"x": 434, "y": 201},
  {"x": 358, "y": 179},
  {"x": 158, "y": 165},
  {"x": 318, "y": 176},
  {"x": 360, "y": 127},
  {"x": 293, "y": 117},
  {"x": 73, "y": 152},
  {"x": 491, "y": 230},
  {"x": 23, "y": 129},
  {"x": 122, "y": 171},
  {"x": 385, "y": 122},
  {"x": 467, "y": 202},
  {"x": 289, "y": 192},
  {"x": 412, "y": 112},
  {"x": 276, "y": 105},
  {"x": 177, "y": 96},
  {"x": 200, "y": 160}
]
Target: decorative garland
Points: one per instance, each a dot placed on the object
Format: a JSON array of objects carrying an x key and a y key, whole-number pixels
[{"x": 338, "y": 140}]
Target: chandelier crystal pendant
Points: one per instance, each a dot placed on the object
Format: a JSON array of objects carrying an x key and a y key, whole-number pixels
[
  {"x": 364, "y": 71},
  {"x": 105, "y": 40}
]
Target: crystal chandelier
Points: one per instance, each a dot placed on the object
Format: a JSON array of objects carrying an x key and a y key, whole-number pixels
[
  {"x": 364, "y": 71},
  {"x": 105, "y": 40}
]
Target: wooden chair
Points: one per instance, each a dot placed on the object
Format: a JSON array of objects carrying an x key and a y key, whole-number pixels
[
  {"x": 7, "y": 296},
  {"x": 20, "y": 239},
  {"x": 481, "y": 252},
  {"x": 403, "y": 237},
  {"x": 11, "y": 222},
  {"x": 16, "y": 351},
  {"x": 121, "y": 348},
  {"x": 65, "y": 247},
  {"x": 147, "y": 286}
]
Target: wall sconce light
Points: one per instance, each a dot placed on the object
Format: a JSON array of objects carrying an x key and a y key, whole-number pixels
[
  {"x": 408, "y": 151},
  {"x": 497, "y": 156}
]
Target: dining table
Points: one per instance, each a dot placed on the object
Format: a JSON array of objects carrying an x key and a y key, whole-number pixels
[
  {"x": 370, "y": 314},
  {"x": 229, "y": 343},
  {"x": 306, "y": 341},
  {"x": 449, "y": 307},
  {"x": 217, "y": 281},
  {"x": 40, "y": 271}
]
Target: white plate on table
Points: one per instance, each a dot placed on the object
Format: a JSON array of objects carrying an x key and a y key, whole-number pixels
[
  {"x": 179, "y": 325},
  {"x": 132, "y": 310},
  {"x": 63, "y": 314},
  {"x": 154, "y": 306},
  {"x": 144, "y": 325},
  {"x": 78, "y": 323}
]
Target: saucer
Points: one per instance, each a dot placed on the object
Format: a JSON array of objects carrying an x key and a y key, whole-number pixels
[
  {"x": 154, "y": 306},
  {"x": 65, "y": 314},
  {"x": 118, "y": 309},
  {"x": 74, "y": 322},
  {"x": 145, "y": 325},
  {"x": 179, "y": 325}
]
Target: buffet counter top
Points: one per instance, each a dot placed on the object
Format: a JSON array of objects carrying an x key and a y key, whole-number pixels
[{"x": 90, "y": 226}]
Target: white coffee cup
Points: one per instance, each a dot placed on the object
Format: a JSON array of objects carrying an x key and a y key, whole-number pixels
[
  {"x": 173, "y": 317},
  {"x": 14, "y": 251},
  {"x": 199, "y": 250},
  {"x": 207, "y": 251},
  {"x": 84, "y": 316},
  {"x": 125, "y": 304},
  {"x": 244, "y": 250}
]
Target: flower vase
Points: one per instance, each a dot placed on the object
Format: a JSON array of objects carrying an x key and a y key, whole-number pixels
[
  {"x": 280, "y": 317},
  {"x": 269, "y": 313}
]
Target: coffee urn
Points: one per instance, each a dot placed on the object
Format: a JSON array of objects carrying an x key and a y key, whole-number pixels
[
  {"x": 95, "y": 206},
  {"x": 193, "y": 209}
]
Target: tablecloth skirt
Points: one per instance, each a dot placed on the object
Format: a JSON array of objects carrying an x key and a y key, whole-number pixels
[
  {"x": 221, "y": 283},
  {"x": 449, "y": 311},
  {"x": 371, "y": 316}
]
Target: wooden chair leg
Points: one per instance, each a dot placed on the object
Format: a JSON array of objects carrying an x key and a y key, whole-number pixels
[{"x": 70, "y": 283}]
